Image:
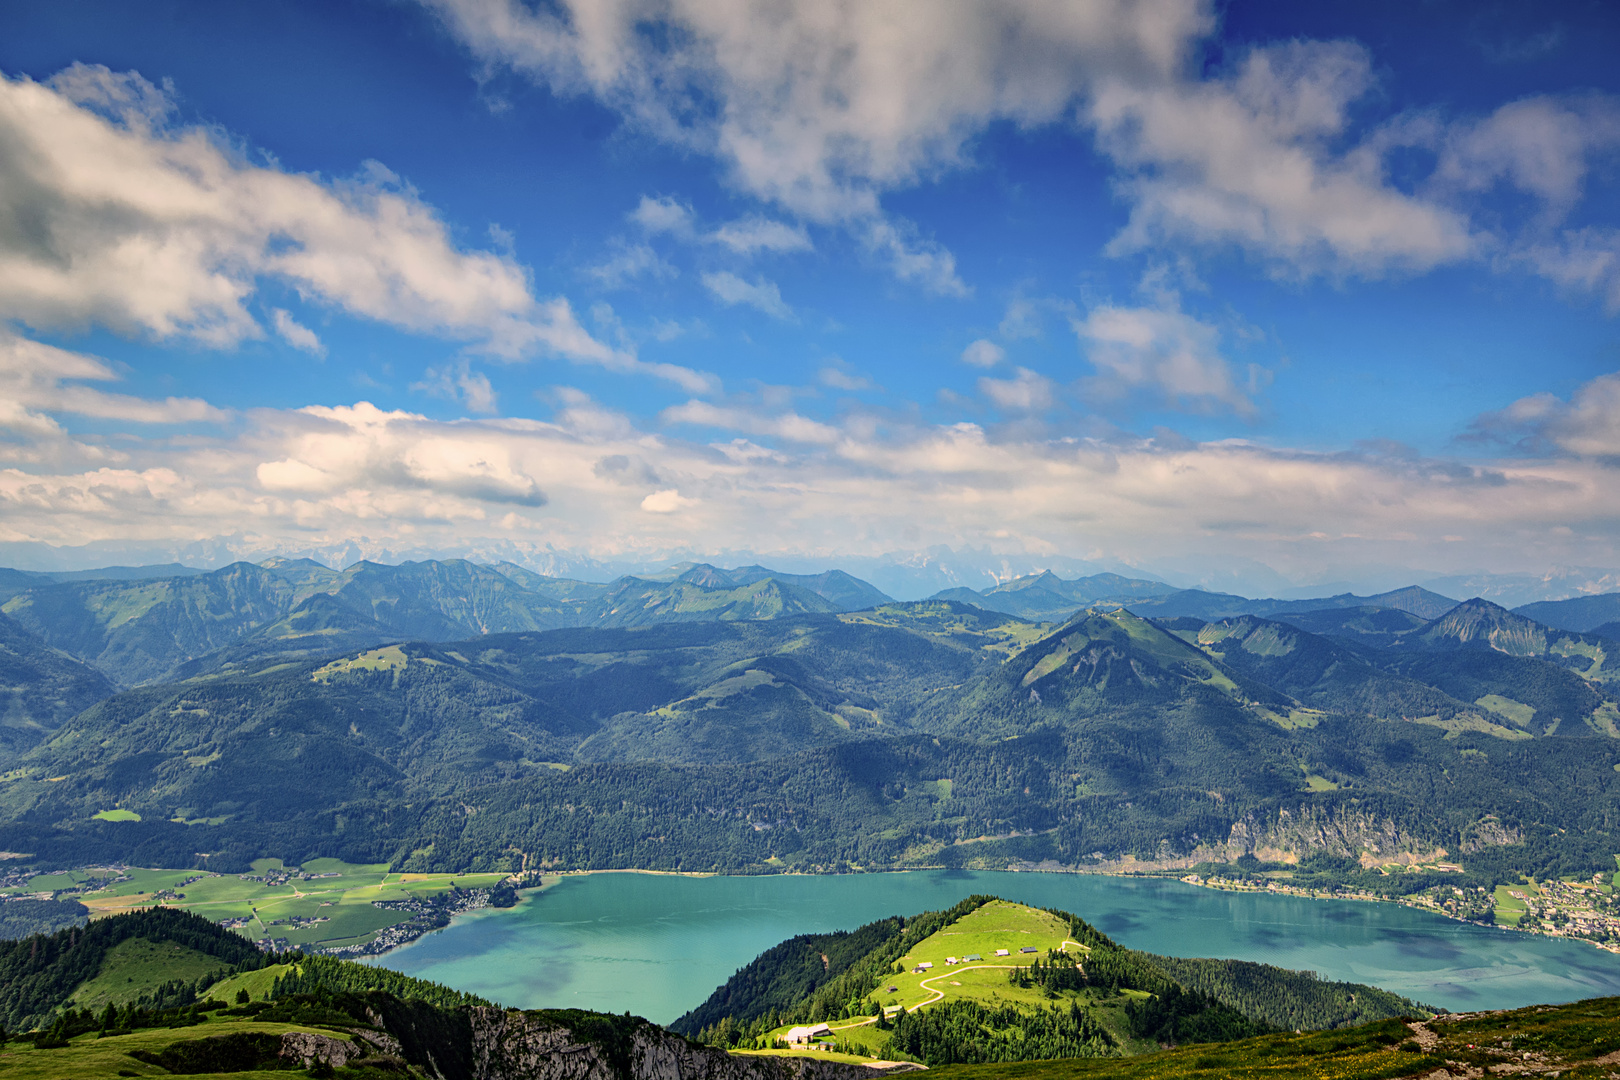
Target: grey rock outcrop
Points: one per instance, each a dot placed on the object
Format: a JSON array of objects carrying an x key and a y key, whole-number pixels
[{"x": 513, "y": 1045}]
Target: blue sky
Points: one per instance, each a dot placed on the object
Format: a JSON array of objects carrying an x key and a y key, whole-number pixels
[{"x": 1255, "y": 295}]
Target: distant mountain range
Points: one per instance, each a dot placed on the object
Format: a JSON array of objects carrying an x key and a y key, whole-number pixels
[
  {"x": 138, "y": 625},
  {"x": 747, "y": 720}
]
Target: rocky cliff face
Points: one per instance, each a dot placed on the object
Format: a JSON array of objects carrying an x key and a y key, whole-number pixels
[
  {"x": 1292, "y": 834},
  {"x": 513, "y": 1045}
]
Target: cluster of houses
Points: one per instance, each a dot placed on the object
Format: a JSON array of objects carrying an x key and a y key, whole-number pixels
[{"x": 809, "y": 1033}]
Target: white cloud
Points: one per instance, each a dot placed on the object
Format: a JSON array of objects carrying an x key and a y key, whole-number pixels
[
  {"x": 912, "y": 258},
  {"x": 663, "y": 215},
  {"x": 1587, "y": 259},
  {"x": 458, "y": 382},
  {"x": 1588, "y": 424},
  {"x": 295, "y": 333},
  {"x": 109, "y": 214},
  {"x": 352, "y": 451},
  {"x": 983, "y": 353},
  {"x": 395, "y": 480},
  {"x": 627, "y": 262},
  {"x": 840, "y": 376},
  {"x": 746, "y": 236},
  {"x": 823, "y": 108},
  {"x": 819, "y": 106},
  {"x": 788, "y": 425},
  {"x": 38, "y": 379},
  {"x": 664, "y": 502},
  {"x": 1164, "y": 350},
  {"x": 760, "y": 293},
  {"x": 1252, "y": 159},
  {"x": 1539, "y": 145},
  {"x": 1026, "y": 391}
]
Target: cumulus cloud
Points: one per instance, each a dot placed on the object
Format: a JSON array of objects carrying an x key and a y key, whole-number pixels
[
  {"x": 627, "y": 262},
  {"x": 667, "y": 501},
  {"x": 1541, "y": 145},
  {"x": 1588, "y": 424},
  {"x": 111, "y": 214},
  {"x": 356, "y": 450},
  {"x": 458, "y": 382},
  {"x": 1252, "y": 159},
  {"x": 817, "y": 107},
  {"x": 295, "y": 333},
  {"x": 745, "y": 236},
  {"x": 983, "y": 353},
  {"x": 820, "y": 488},
  {"x": 760, "y": 293},
  {"x": 662, "y": 214},
  {"x": 1026, "y": 391},
  {"x": 1584, "y": 259},
  {"x": 821, "y": 109},
  {"x": 1162, "y": 350}
]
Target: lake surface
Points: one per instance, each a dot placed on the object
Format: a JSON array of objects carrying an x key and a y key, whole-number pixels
[{"x": 658, "y": 945}]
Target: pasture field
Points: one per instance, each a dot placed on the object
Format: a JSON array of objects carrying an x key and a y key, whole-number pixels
[
  {"x": 137, "y": 966},
  {"x": 332, "y": 906},
  {"x": 256, "y": 983},
  {"x": 999, "y": 924}
]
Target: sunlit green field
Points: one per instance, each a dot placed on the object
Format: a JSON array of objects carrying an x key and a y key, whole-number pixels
[
  {"x": 332, "y": 909},
  {"x": 999, "y": 924}
]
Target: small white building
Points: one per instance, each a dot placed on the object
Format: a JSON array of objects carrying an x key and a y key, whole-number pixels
[
  {"x": 806, "y": 1034},
  {"x": 1001, "y": 952}
]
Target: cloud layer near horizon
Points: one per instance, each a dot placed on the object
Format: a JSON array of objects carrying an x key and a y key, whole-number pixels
[{"x": 592, "y": 480}]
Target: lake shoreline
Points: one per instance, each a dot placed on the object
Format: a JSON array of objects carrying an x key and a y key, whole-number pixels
[
  {"x": 658, "y": 946},
  {"x": 1271, "y": 889}
]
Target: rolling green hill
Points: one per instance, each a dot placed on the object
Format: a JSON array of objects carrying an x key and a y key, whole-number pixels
[{"x": 948, "y": 986}]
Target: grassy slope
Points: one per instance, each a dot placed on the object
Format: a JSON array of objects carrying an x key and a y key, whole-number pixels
[
  {"x": 139, "y": 966},
  {"x": 999, "y": 924},
  {"x": 90, "y": 1058},
  {"x": 258, "y": 984}
]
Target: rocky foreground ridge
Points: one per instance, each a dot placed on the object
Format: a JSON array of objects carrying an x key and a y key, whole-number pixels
[
  {"x": 512, "y": 1045},
  {"x": 487, "y": 1043}
]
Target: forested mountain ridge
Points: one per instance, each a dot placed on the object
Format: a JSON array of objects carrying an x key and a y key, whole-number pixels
[
  {"x": 40, "y": 688},
  {"x": 138, "y": 631},
  {"x": 905, "y": 734},
  {"x": 910, "y": 734}
]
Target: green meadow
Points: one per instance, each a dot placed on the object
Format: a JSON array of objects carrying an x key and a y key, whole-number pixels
[{"x": 333, "y": 907}]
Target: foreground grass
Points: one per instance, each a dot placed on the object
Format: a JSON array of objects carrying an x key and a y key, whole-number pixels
[
  {"x": 90, "y": 1058},
  {"x": 1579, "y": 1041}
]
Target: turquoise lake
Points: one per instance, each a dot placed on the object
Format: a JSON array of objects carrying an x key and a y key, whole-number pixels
[{"x": 658, "y": 945}]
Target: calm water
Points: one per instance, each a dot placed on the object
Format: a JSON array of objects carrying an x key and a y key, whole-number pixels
[{"x": 656, "y": 946}]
